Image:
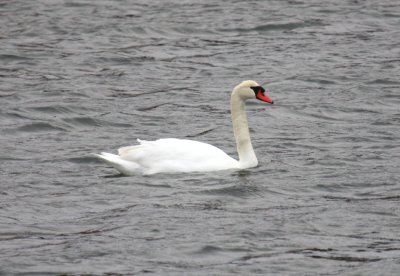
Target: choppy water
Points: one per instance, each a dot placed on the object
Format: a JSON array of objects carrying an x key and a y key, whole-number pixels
[{"x": 78, "y": 77}]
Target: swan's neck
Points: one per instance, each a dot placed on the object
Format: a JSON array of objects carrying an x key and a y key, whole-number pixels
[{"x": 247, "y": 157}]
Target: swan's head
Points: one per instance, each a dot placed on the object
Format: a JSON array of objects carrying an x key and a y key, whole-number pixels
[{"x": 252, "y": 90}]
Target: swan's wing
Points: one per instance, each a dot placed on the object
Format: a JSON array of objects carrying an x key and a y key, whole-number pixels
[{"x": 177, "y": 155}]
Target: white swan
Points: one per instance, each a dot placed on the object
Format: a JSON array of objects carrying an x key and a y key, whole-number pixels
[{"x": 179, "y": 155}]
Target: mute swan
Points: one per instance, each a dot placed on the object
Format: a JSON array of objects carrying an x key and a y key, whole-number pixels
[{"x": 179, "y": 155}]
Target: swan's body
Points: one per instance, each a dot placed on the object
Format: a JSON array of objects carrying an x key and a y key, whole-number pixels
[
  {"x": 179, "y": 155},
  {"x": 169, "y": 155}
]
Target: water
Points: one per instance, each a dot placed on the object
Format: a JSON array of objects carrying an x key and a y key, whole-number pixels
[{"x": 80, "y": 77}]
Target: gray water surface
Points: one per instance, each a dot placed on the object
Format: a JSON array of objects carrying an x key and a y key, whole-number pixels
[{"x": 81, "y": 77}]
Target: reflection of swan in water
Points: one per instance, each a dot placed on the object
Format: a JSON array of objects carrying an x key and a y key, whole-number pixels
[{"x": 180, "y": 155}]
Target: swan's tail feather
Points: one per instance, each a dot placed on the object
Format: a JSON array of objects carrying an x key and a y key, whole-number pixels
[{"x": 121, "y": 165}]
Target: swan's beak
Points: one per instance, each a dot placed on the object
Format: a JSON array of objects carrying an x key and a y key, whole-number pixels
[{"x": 264, "y": 97}]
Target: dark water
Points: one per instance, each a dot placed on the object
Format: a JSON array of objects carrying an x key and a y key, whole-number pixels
[{"x": 79, "y": 77}]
